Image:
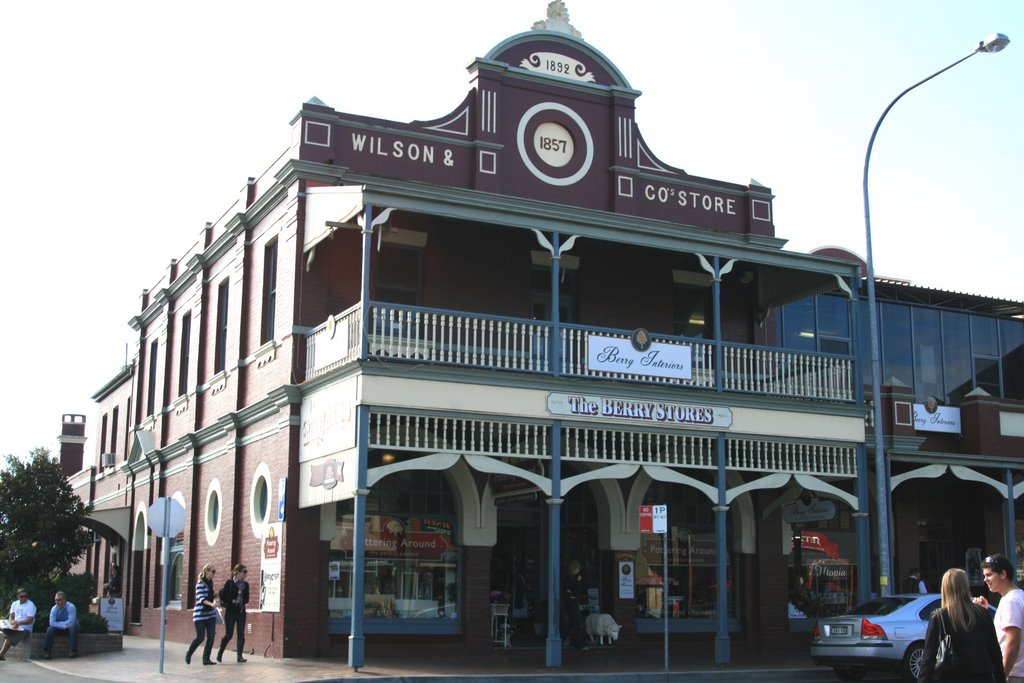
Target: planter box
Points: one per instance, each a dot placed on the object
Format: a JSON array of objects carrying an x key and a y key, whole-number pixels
[{"x": 88, "y": 644}]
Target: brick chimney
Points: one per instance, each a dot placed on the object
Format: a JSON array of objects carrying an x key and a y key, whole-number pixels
[{"x": 72, "y": 444}]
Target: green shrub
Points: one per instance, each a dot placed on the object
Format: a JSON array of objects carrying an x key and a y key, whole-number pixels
[{"x": 79, "y": 589}]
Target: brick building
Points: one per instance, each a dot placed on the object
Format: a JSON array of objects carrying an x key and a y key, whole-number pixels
[{"x": 429, "y": 363}]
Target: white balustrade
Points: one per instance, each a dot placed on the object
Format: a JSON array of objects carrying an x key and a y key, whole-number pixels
[{"x": 448, "y": 338}]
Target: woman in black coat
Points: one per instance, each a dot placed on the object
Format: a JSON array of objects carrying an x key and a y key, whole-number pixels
[
  {"x": 234, "y": 596},
  {"x": 971, "y": 631}
]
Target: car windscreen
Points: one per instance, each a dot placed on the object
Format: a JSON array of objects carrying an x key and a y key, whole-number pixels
[{"x": 880, "y": 606}]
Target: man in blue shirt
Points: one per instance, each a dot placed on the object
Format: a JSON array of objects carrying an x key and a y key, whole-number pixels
[{"x": 63, "y": 617}]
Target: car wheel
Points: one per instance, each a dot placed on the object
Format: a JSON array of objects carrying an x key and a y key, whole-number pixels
[
  {"x": 912, "y": 661},
  {"x": 851, "y": 673}
]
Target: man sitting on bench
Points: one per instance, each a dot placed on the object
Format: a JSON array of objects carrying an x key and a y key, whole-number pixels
[{"x": 63, "y": 617}]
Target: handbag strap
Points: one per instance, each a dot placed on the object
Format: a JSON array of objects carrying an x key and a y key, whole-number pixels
[{"x": 942, "y": 629}]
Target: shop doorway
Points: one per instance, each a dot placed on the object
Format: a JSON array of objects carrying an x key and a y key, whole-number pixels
[
  {"x": 517, "y": 574},
  {"x": 935, "y": 557}
]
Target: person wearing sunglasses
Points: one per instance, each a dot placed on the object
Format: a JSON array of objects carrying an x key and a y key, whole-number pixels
[
  {"x": 63, "y": 618},
  {"x": 21, "y": 618},
  {"x": 204, "y": 616},
  {"x": 234, "y": 596},
  {"x": 1009, "y": 620}
]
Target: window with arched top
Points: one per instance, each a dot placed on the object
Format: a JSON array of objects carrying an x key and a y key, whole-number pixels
[
  {"x": 412, "y": 561},
  {"x": 692, "y": 558}
]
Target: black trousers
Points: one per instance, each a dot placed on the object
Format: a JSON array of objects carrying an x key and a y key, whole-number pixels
[
  {"x": 205, "y": 629},
  {"x": 233, "y": 619},
  {"x": 576, "y": 633}
]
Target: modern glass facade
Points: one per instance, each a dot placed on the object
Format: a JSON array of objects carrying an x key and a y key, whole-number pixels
[{"x": 943, "y": 354}]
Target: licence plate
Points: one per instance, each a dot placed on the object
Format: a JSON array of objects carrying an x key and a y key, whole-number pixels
[{"x": 839, "y": 630}]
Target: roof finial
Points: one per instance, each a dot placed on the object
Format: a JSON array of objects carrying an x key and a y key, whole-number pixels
[{"x": 558, "y": 20}]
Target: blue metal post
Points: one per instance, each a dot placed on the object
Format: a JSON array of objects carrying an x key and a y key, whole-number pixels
[
  {"x": 356, "y": 642},
  {"x": 553, "y": 656},
  {"x": 1011, "y": 522},
  {"x": 863, "y": 527},
  {"x": 556, "y": 296},
  {"x": 364, "y": 282},
  {"x": 722, "y": 655},
  {"x": 861, "y": 516},
  {"x": 716, "y": 299}
]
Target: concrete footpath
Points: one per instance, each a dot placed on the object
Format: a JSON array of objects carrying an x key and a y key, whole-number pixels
[{"x": 140, "y": 660}]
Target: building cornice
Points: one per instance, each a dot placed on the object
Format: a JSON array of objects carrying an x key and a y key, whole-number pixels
[{"x": 515, "y": 212}]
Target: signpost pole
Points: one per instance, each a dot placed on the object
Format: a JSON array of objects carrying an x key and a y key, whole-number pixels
[
  {"x": 167, "y": 520},
  {"x": 664, "y": 589},
  {"x": 167, "y": 560}
]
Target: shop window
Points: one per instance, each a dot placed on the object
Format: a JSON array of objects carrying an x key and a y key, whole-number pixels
[
  {"x": 822, "y": 569},
  {"x": 692, "y": 558},
  {"x": 411, "y": 561}
]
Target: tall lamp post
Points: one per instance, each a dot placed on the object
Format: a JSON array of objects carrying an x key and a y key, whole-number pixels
[{"x": 993, "y": 43}]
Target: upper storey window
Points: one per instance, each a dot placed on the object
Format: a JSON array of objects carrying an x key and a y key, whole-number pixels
[
  {"x": 221, "y": 347},
  {"x": 399, "y": 275},
  {"x": 269, "y": 292}
]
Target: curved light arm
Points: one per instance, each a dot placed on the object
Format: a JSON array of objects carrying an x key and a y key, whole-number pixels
[{"x": 993, "y": 43}]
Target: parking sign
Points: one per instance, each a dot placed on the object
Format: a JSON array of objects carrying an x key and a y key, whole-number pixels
[{"x": 653, "y": 519}]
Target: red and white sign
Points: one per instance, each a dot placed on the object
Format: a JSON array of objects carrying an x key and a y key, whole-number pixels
[{"x": 653, "y": 519}]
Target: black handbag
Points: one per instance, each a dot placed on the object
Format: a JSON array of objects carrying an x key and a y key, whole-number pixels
[{"x": 945, "y": 658}]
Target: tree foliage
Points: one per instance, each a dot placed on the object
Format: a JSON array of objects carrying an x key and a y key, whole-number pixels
[{"x": 41, "y": 533}]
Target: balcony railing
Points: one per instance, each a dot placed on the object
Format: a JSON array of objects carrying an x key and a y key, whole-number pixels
[{"x": 442, "y": 337}]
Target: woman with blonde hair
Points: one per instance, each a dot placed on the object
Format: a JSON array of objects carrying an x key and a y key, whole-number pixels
[
  {"x": 204, "y": 616},
  {"x": 971, "y": 631}
]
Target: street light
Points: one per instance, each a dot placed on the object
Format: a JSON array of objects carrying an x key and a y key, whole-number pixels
[{"x": 993, "y": 43}]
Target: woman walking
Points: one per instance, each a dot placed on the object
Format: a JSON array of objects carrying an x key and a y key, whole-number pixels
[
  {"x": 204, "y": 617},
  {"x": 234, "y": 596},
  {"x": 971, "y": 631}
]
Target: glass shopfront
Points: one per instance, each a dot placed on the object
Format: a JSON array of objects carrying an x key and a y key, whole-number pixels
[
  {"x": 822, "y": 569},
  {"x": 411, "y": 570},
  {"x": 692, "y": 560}
]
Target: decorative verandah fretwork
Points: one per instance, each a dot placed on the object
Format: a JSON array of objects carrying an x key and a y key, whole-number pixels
[{"x": 507, "y": 438}]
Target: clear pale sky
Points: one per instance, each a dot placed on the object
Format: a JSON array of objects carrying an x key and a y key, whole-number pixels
[{"x": 125, "y": 126}]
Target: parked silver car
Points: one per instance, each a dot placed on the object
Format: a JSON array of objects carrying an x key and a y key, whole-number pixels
[{"x": 884, "y": 634}]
